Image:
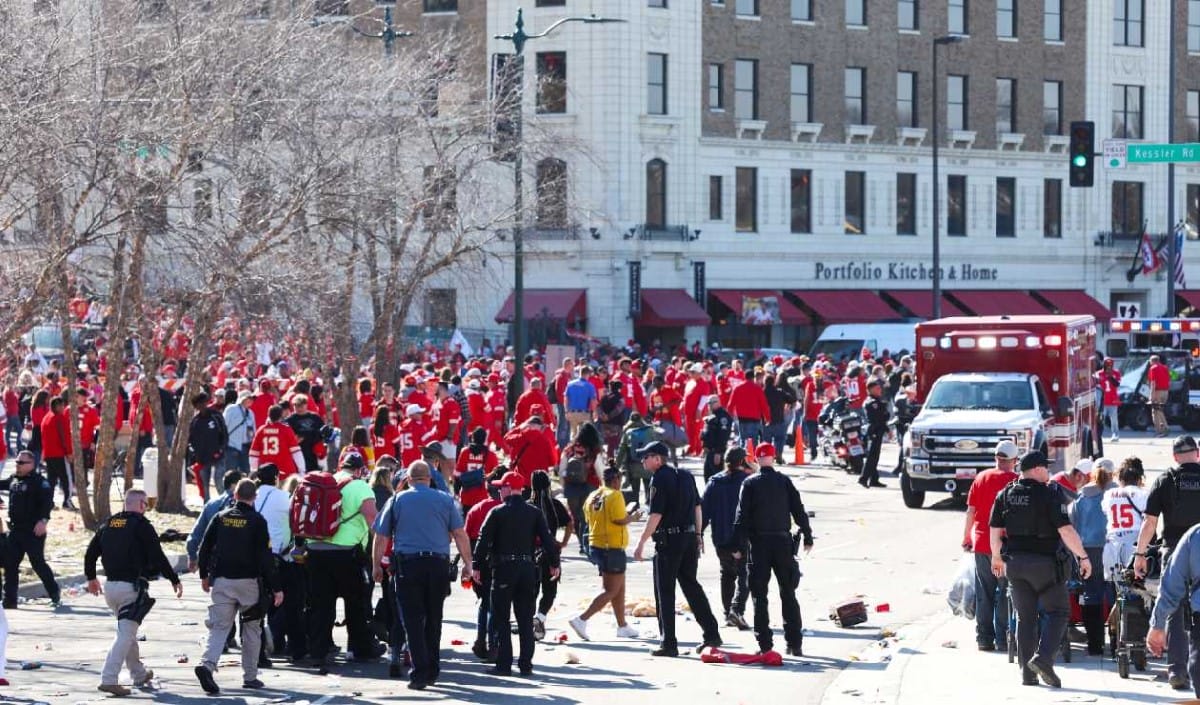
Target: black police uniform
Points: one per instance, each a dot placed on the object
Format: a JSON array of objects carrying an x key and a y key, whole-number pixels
[
  {"x": 673, "y": 496},
  {"x": 1175, "y": 497},
  {"x": 238, "y": 545},
  {"x": 877, "y": 423},
  {"x": 718, "y": 426},
  {"x": 129, "y": 549},
  {"x": 506, "y": 543},
  {"x": 1031, "y": 513},
  {"x": 307, "y": 427},
  {"x": 768, "y": 505},
  {"x": 30, "y": 499}
]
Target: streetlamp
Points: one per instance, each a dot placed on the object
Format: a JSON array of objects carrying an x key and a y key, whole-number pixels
[
  {"x": 518, "y": 39},
  {"x": 937, "y": 254},
  {"x": 389, "y": 34}
]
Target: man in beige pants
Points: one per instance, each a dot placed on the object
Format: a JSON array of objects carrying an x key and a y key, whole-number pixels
[
  {"x": 130, "y": 551},
  {"x": 234, "y": 556}
]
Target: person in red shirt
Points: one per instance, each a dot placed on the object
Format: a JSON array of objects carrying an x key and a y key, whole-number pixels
[
  {"x": 815, "y": 390},
  {"x": 261, "y": 406},
  {"x": 276, "y": 442},
  {"x": 497, "y": 409},
  {"x": 855, "y": 386},
  {"x": 484, "y": 640},
  {"x": 415, "y": 433},
  {"x": 695, "y": 391},
  {"x": 534, "y": 396},
  {"x": 631, "y": 388},
  {"x": 417, "y": 395},
  {"x": 89, "y": 421},
  {"x": 56, "y": 448},
  {"x": 385, "y": 434},
  {"x": 530, "y": 448},
  {"x": 448, "y": 417},
  {"x": 748, "y": 404},
  {"x": 477, "y": 407},
  {"x": 366, "y": 400},
  {"x": 991, "y": 611},
  {"x": 471, "y": 486},
  {"x": 1159, "y": 378}
]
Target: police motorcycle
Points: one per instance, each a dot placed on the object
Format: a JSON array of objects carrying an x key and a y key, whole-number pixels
[{"x": 840, "y": 431}]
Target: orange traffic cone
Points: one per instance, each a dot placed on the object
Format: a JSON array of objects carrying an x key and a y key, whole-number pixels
[
  {"x": 799, "y": 459},
  {"x": 750, "y": 457}
]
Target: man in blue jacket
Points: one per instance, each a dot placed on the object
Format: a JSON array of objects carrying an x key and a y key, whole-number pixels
[
  {"x": 1180, "y": 581},
  {"x": 719, "y": 506},
  {"x": 211, "y": 508}
]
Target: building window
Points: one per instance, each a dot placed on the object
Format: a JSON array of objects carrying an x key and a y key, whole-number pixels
[
  {"x": 908, "y": 14},
  {"x": 906, "y": 204},
  {"x": 1052, "y": 21},
  {"x": 1006, "y": 207},
  {"x": 550, "y": 3},
  {"x": 441, "y": 308},
  {"x": 1006, "y": 18},
  {"x": 1052, "y": 107},
  {"x": 656, "y": 194},
  {"x": 1052, "y": 208},
  {"x": 552, "y": 194},
  {"x": 856, "y": 13},
  {"x": 745, "y": 89},
  {"x": 716, "y": 86},
  {"x": 1127, "y": 112},
  {"x": 1193, "y": 116},
  {"x": 855, "y": 222},
  {"x": 906, "y": 99},
  {"x": 656, "y": 84},
  {"x": 802, "y": 10},
  {"x": 956, "y": 20},
  {"x": 856, "y": 96},
  {"x": 747, "y": 200},
  {"x": 656, "y": 3},
  {"x": 748, "y": 8},
  {"x": 441, "y": 5},
  {"x": 552, "y": 82},
  {"x": 716, "y": 198},
  {"x": 956, "y": 205},
  {"x": 1193, "y": 204},
  {"x": 801, "y": 200},
  {"x": 1127, "y": 207},
  {"x": 1127, "y": 22},
  {"x": 956, "y": 102},
  {"x": 1193, "y": 27},
  {"x": 202, "y": 200},
  {"x": 441, "y": 199},
  {"x": 801, "y": 93},
  {"x": 1006, "y": 105}
]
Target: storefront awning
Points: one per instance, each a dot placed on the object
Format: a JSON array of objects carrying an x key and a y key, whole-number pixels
[
  {"x": 846, "y": 305},
  {"x": 999, "y": 302},
  {"x": 734, "y": 300},
  {"x": 556, "y": 304},
  {"x": 670, "y": 307},
  {"x": 920, "y": 303},
  {"x": 1189, "y": 297},
  {"x": 1075, "y": 302}
]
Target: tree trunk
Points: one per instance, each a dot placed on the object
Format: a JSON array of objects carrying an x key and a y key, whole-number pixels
[{"x": 114, "y": 363}]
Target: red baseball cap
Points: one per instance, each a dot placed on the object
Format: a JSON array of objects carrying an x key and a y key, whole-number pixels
[
  {"x": 512, "y": 480},
  {"x": 764, "y": 449}
]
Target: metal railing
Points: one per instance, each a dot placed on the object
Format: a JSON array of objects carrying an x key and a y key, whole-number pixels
[{"x": 653, "y": 231}]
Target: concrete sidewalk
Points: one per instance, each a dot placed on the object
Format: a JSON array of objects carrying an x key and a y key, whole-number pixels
[{"x": 934, "y": 662}]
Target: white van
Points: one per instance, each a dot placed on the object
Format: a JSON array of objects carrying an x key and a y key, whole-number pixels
[{"x": 848, "y": 339}]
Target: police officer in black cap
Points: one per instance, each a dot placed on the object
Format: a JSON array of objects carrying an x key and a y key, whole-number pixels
[
  {"x": 30, "y": 500},
  {"x": 1175, "y": 496},
  {"x": 506, "y": 543},
  {"x": 718, "y": 426},
  {"x": 768, "y": 505},
  {"x": 674, "y": 523},
  {"x": 876, "y": 411},
  {"x": 1029, "y": 525}
]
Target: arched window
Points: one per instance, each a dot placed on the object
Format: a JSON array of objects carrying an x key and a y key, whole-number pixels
[
  {"x": 552, "y": 194},
  {"x": 656, "y": 193}
]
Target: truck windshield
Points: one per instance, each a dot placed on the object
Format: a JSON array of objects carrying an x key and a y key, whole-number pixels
[
  {"x": 839, "y": 350},
  {"x": 1004, "y": 395}
]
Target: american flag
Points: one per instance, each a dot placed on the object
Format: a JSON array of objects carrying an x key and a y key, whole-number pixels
[{"x": 1177, "y": 267}]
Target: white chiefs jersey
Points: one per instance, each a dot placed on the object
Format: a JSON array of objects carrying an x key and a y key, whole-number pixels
[{"x": 1124, "y": 509}]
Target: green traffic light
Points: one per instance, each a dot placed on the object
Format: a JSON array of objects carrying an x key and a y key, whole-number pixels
[{"x": 1079, "y": 160}]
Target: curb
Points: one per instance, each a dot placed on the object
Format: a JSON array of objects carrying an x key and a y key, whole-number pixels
[
  {"x": 33, "y": 589},
  {"x": 859, "y": 684}
]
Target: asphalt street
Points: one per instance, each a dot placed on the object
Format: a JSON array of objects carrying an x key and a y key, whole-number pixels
[{"x": 868, "y": 546}]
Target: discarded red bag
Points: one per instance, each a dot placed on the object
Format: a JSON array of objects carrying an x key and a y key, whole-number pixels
[
  {"x": 457, "y": 642},
  {"x": 715, "y": 655}
]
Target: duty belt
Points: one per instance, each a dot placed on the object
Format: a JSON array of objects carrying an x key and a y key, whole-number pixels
[
  {"x": 421, "y": 554},
  {"x": 513, "y": 557},
  {"x": 677, "y": 530}
]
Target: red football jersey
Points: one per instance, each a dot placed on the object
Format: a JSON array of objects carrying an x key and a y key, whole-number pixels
[{"x": 275, "y": 443}]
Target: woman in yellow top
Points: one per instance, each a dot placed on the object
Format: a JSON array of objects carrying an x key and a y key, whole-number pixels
[{"x": 609, "y": 537}]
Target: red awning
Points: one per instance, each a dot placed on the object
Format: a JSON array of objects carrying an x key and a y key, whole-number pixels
[
  {"x": 732, "y": 299},
  {"x": 998, "y": 302},
  {"x": 670, "y": 307},
  {"x": 558, "y": 304},
  {"x": 846, "y": 305},
  {"x": 1191, "y": 298},
  {"x": 1075, "y": 302},
  {"x": 920, "y": 302}
]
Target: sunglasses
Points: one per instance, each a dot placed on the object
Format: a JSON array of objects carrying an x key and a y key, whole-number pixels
[{"x": 24, "y": 462}]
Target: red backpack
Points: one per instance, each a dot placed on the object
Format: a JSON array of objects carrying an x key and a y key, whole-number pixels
[{"x": 317, "y": 506}]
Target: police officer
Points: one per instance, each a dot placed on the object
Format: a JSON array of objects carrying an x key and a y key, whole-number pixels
[
  {"x": 235, "y": 556},
  {"x": 1033, "y": 515},
  {"x": 506, "y": 543},
  {"x": 876, "y": 411},
  {"x": 674, "y": 524},
  {"x": 768, "y": 505},
  {"x": 1180, "y": 588},
  {"x": 30, "y": 499},
  {"x": 129, "y": 549},
  {"x": 718, "y": 426},
  {"x": 719, "y": 504},
  {"x": 1174, "y": 496}
]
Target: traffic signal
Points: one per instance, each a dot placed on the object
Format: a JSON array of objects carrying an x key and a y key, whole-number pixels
[{"x": 1083, "y": 147}]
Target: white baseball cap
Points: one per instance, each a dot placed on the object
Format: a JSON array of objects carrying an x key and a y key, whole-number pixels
[
  {"x": 413, "y": 409},
  {"x": 1007, "y": 449}
]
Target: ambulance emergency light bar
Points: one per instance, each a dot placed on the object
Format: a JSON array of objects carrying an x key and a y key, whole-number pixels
[
  {"x": 990, "y": 342},
  {"x": 1152, "y": 325}
]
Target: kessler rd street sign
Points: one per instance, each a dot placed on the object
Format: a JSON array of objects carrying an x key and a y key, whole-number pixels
[{"x": 1160, "y": 153}]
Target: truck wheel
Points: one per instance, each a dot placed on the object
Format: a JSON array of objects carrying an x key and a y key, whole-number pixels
[
  {"x": 1191, "y": 419},
  {"x": 913, "y": 499},
  {"x": 1139, "y": 418}
]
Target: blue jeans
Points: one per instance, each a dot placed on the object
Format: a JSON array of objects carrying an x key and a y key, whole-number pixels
[
  {"x": 775, "y": 434},
  {"x": 991, "y": 605},
  {"x": 12, "y": 435},
  {"x": 1110, "y": 414},
  {"x": 235, "y": 459},
  {"x": 809, "y": 427},
  {"x": 749, "y": 431}
]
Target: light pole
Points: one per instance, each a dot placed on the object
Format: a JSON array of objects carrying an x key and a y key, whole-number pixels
[
  {"x": 937, "y": 254},
  {"x": 518, "y": 39},
  {"x": 389, "y": 34}
]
